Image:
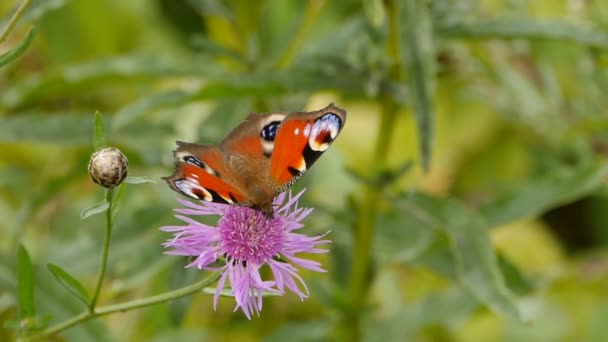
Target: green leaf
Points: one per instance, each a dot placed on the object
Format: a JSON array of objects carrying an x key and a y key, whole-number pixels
[
  {"x": 95, "y": 209},
  {"x": 139, "y": 180},
  {"x": 12, "y": 54},
  {"x": 47, "y": 128},
  {"x": 438, "y": 308},
  {"x": 515, "y": 279},
  {"x": 86, "y": 77},
  {"x": 226, "y": 115},
  {"x": 245, "y": 87},
  {"x": 515, "y": 28},
  {"x": 318, "y": 330},
  {"x": 99, "y": 133},
  {"x": 179, "y": 277},
  {"x": 136, "y": 109},
  {"x": 70, "y": 283},
  {"x": 374, "y": 12},
  {"x": 418, "y": 54},
  {"x": 179, "y": 333},
  {"x": 475, "y": 262},
  {"x": 561, "y": 186},
  {"x": 211, "y": 7},
  {"x": 119, "y": 195},
  {"x": 25, "y": 279},
  {"x": 400, "y": 237},
  {"x": 37, "y": 9}
]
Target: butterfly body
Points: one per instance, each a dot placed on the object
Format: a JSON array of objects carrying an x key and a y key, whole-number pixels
[{"x": 260, "y": 158}]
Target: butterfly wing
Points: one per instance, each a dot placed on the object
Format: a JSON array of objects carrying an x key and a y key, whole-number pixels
[
  {"x": 254, "y": 137},
  {"x": 249, "y": 148},
  {"x": 300, "y": 140},
  {"x": 201, "y": 173},
  {"x": 259, "y": 159}
]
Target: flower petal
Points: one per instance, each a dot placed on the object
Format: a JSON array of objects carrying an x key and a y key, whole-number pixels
[
  {"x": 246, "y": 241},
  {"x": 287, "y": 273},
  {"x": 220, "y": 286}
]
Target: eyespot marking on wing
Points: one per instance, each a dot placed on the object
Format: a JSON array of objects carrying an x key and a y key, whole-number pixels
[
  {"x": 190, "y": 159},
  {"x": 320, "y": 135},
  {"x": 324, "y": 131},
  {"x": 268, "y": 132}
]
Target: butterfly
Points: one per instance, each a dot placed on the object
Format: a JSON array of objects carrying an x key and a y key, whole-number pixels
[{"x": 259, "y": 159}]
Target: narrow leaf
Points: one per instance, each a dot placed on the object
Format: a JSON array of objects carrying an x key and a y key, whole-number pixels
[
  {"x": 95, "y": 209},
  {"x": 139, "y": 180},
  {"x": 46, "y": 127},
  {"x": 99, "y": 134},
  {"x": 37, "y": 9},
  {"x": 12, "y": 54},
  {"x": 133, "y": 111},
  {"x": 401, "y": 237},
  {"x": 475, "y": 262},
  {"x": 514, "y": 278},
  {"x": 70, "y": 283},
  {"x": 561, "y": 186},
  {"x": 314, "y": 330},
  {"x": 517, "y": 28},
  {"x": 119, "y": 194},
  {"x": 416, "y": 42},
  {"x": 437, "y": 309},
  {"x": 25, "y": 279},
  {"x": 374, "y": 12}
]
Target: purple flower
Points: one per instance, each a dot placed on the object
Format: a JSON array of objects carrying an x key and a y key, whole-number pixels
[{"x": 243, "y": 242}]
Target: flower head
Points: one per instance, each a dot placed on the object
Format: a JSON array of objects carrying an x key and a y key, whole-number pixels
[{"x": 243, "y": 242}]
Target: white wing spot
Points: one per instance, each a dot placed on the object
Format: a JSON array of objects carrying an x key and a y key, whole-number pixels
[
  {"x": 186, "y": 186},
  {"x": 307, "y": 130}
]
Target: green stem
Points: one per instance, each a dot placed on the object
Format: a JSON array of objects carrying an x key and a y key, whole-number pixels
[
  {"x": 104, "y": 251},
  {"x": 365, "y": 223},
  {"x": 364, "y": 230},
  {"x": 127, "y": 306},
  {"x": 11, "y": 23},
  {"x": 313, "y": 9}
]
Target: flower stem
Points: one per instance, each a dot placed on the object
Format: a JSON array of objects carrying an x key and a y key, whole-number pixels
[
  {"x": 18, "y": 13},
  {"x": 361, "y": 275},
  {"x": 313, "y": 9},
  {"x": 104, "y": 251},
  {"x": 127, "y": 306}
]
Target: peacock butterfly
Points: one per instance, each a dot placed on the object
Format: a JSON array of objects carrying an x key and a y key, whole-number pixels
[{"x": 260, "y": 158}]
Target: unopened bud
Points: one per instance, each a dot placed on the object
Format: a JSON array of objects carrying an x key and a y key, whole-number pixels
[{"x": 108, "y": 167}]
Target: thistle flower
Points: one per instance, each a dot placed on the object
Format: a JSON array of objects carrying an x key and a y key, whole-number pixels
[{"x": 244, "y": 241}]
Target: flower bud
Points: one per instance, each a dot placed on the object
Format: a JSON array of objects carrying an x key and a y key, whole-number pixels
[{"x": 108, "y": 167}]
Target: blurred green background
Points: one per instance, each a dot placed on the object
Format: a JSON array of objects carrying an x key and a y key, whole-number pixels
[{"x": 503, "y": 238}]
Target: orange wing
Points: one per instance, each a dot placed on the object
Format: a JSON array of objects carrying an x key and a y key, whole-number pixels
[
  {"x": 301, "y": 139},
  {"x": 199, "y": 173}
]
